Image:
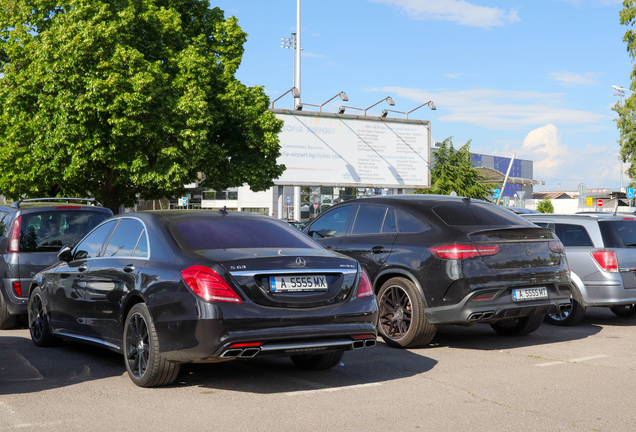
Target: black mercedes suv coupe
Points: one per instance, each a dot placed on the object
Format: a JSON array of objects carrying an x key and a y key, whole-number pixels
[{"x": 437, "y": 260}]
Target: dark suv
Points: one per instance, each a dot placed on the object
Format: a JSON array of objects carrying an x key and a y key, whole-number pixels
[
  {"x": 32, "y": 231},
  {"x": 449, "y": 260}
]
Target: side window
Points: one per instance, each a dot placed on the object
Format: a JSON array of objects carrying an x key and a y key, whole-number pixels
[
  {"x": 92, "y": 245},
  {"x": 141, "y": 251},
  {"x": 4, "y": 223},
  {"x": 389, "y": 226},
  {"x": 409, "y": 224},
  {"x": 124, "y": 239},
  {"x": 369, "y": 220},
  {"x": 573, "y": 235},
  {"x": 332, "y": 224}
]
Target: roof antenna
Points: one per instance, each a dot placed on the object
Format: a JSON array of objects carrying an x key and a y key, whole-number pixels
[
  {"x": 617, "y": 202},
  {"x": 223, "y": 211},
  {"x": 466, "y": 198}
]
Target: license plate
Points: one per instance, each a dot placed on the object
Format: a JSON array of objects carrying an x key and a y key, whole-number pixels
[
  {"x": 529, "y": 294},
  {"x": 298, "y": 283}
]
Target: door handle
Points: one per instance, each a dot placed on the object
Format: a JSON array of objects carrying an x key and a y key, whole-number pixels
[
  {"x": 377, "y": 249},
  {"x": 82, "y": 268},
  {"x": 129, "y": 268},
  {"x": 329, "y": 247}
]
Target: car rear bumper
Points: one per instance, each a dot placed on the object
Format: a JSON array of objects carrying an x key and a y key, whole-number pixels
[
  {"x": 608, "y": 293},
  {"x": 203, "y": 345},
  {"x": 474, "y": 309},
  {"x": 16, "y": 305}
]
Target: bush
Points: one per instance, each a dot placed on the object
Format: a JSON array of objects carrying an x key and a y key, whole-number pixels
[{"x": 545, "y": 206}]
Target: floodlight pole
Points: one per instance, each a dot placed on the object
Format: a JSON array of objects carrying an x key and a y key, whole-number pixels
[{"x": 298, "y": 49}]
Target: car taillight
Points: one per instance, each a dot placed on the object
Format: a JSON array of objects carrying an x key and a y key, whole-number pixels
[
  {"x": 462, "y": 251},
  {"x": 207, "y": 284},
  {"x": 364, "y": 288},
  {"x": 606, "y": 259},
  {"x": 14, "y": 237},
  {"x": 17, "y": 288},
  {"x": 556, "y": 246}
]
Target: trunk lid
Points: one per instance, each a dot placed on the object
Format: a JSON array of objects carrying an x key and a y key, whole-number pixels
[
  {"x": 519, "y": 248},
  {"x": 290, "y": 278}
]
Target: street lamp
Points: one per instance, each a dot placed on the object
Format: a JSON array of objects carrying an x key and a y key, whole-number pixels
[
  {"x": 388, "y": 99},
  {"x": 342, "y": 95},
  {"x": 292, "y": 43},
  {"x": 430, "y": 104},
  {"x": 294, "y": 91}
]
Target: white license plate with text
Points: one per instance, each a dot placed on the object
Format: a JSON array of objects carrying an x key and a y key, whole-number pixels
[
  {"x": 529, "y": 293},
  {"x": 298, "y": 283}
]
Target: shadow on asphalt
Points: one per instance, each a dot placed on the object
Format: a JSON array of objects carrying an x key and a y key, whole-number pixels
[
  {"x": 483, "y": 337},
  {"x": 25, "y": 368}
]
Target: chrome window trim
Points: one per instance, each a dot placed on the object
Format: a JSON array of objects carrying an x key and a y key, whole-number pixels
[
  {"x": 289, "y": 271},
  {"x": 111, "y": 235},
  {"x": 87, "y": 339}
]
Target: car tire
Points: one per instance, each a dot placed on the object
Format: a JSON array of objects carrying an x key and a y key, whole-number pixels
[
  {"x": 317, "y": 361},
  {"x": 7, "y": 320},
  {"x": 144, "y": 363},
  {"x": 402, "y": 323},
  {"x": 39, "y": 322},
  {"x": 574, "y": 316},
  {"x": 518, "y": 326},
  {"x": 624, "y": 311}
]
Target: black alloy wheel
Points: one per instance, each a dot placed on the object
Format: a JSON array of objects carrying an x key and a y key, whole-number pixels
[
  {"x": 402, "y": 321},
  {"x": 625, "y": 311},
  {"x": 38, "y": 322},
  {"x": 144, "y": 363},
  {"x": 571, "y": 317}
]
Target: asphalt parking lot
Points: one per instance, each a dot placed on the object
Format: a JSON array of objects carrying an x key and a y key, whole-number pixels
[{"x": 470, "y": 378}]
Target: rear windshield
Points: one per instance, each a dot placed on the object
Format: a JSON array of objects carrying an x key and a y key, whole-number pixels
[
  {"x": 242, "y": 233},
  {"x": 477, "y": 214},
  {"x": 48, "y": 231},
  {"x": 618, "y": 234}
]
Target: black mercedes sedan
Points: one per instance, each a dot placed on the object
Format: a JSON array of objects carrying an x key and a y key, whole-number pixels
[
  {"x": 436, "y": 260},
  {"x": 170, "y": 287}
]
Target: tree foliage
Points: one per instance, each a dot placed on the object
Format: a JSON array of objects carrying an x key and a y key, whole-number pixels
[
  {"x": 545, "y": 206},
  {"x": 453, "y": 170},
  {"x": 626, "y": 120},
  {"x": 115, "y": 98}
]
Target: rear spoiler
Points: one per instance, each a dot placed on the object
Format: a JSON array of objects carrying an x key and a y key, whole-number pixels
[{"x": 518, "y": 233}]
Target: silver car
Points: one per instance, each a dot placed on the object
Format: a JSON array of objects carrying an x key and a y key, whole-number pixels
[{"x": 601, "y": 252}]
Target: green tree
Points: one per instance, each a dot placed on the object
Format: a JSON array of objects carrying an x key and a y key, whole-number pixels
[
  {"x": 452, "y": 170},
  {"x": 626, "y": 120},
  {"x": 545, "y": 206},
  {"x": 115, "y": 98}
]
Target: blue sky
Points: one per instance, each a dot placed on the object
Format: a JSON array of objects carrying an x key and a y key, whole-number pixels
[{"x": 533, "y": 77}]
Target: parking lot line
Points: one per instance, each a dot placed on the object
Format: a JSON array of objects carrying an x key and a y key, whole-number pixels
[
  {"x": 571, "y": 361},
  {"x": 332, "y": 389}
]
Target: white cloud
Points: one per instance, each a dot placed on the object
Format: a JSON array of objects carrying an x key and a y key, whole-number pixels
[
  {"x": 571, "y": 79},
  {"x": 544, "y": 147},
  {"x": 458, "y": 11},
  {"x": 457, "y": 75},
  {"x": 308, "y": 54},
  {"x": 498, "y": 109}
]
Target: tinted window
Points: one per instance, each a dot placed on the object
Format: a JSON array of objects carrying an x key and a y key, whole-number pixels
[
  {"x": 618, "y": 234},
  {"x": 93, "y": 244},
  {"x": 573, "y": 235},
  {"x": 409, "y": 224},
  {"x": 124, "y": 239},
  {"x": 50, "y": 230},
  {"x": 331, "y": 224},
  {"x": 4, "y": 222},
  {"x": 389, "y": 225},
  {"x": 549, "y": 225},
  {"x": 472, "y": 213},
  {"x": 369, "y": 220},
  {"x": 141, "y": 251},
  {"x": 244, "y": 233}
]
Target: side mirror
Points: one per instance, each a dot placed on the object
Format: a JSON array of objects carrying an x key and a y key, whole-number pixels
[{"x": 65, "y": 254}]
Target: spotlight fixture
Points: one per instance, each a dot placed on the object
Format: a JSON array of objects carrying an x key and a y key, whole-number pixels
[
  {"x": 341, "y": 110},
  {"x": 388, "y": 99},
  {"x": 294, "y": 91}
]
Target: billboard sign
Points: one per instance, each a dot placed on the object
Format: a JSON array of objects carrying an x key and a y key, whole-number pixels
[{"x": 353, "y": 151}]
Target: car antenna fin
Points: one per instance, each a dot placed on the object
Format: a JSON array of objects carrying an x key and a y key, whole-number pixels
[
  {"x": 223, "y": 211},
  {"x": 466, "y": 198}
]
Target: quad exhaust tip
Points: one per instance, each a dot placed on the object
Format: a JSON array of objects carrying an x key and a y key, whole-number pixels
[{"x": 481, "y": 316}]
